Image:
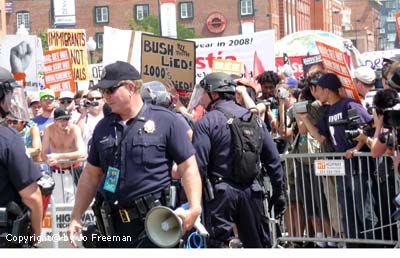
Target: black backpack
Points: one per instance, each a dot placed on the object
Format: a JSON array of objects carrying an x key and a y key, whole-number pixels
[{"x": 246, "y": 141}]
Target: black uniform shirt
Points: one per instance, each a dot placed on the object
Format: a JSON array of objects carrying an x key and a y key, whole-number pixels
[
  {"x": 153, "y": 142},
  {"x": 17, "y": 169},
  {"x": 212, "y": 141}
]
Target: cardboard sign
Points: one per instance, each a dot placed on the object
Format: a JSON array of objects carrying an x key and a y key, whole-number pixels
[
  {"x": 227, "y": 66},
  {"x": 168, "y": 60},
  {"x": 329, "y": 167},
  {"x": 335, "y": 62},
  {"x": 75, "y": 42},
  {"x": 58, "y": 73}
]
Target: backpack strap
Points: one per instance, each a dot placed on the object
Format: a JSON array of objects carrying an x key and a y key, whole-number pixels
[{"x": 227, "y": 114}]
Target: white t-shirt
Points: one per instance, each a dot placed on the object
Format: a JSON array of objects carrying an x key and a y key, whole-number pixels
[{"x": 90, "y": 123}]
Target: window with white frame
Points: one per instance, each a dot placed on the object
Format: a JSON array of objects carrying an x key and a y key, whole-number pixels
[
  {"x": 23, "y": 17},
  {"x": 101, "y": 14},
  {"x": 246, "y": 7},
  {"x": 186, "y": 10},
  {"x": 141, "y": 11},
  {"x": 99, "y": 39}
]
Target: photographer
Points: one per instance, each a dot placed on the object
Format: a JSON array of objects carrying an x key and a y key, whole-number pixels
[{"x": 351, "y": 186}]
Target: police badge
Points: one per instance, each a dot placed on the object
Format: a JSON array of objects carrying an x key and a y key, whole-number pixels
[{"x": 149, "y": 126}]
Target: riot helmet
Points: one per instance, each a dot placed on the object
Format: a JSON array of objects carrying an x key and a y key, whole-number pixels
[
  {"x": 218, "y": 82},
  {"x": 156, "y": 93},
  {"x": 12, "y": 97}
]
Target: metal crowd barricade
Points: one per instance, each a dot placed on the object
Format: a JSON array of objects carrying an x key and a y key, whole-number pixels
[
  {"x": 65, "y": 174},
  {"x": 346, "y": 210}
]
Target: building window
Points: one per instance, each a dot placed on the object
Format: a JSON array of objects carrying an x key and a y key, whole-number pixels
[
  {"x": 101, "y": 14},
  {"x": 99, "y": 39},
  {"x": 141, "y": 11},
  {"x": 186, "y": 10},
  {"x": 23, "y": 17},
  {"x": 391, "y": 27},
  {"x": 246, "y": 7}
]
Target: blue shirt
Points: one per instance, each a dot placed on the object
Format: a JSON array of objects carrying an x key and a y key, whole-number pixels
[
  {"x": 41, "y": 122},
  {"x": 146, "y": 152},
  {"x": 214, "y": 154},
  {"x": 17, "y": 169}
]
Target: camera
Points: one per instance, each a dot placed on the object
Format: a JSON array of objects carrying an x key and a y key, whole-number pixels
[
  {"x": 353, "y": 133},
  {"x": 282, "y": 93},
  {"x": 301, "y": 107},
  {"x": 88, "y": 103},
  {"x": 272, "y": 102}
]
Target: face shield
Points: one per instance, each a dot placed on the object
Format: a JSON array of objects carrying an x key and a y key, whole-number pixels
[
  {"x": 196, "y": 97},
  {"x": 15, "y": 104},
  {"x": 156, "y": 93}
]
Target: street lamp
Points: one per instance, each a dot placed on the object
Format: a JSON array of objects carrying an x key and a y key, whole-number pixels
[{"x": 91, "y": 47}]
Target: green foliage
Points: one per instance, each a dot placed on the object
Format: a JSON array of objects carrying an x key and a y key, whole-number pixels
[
  {"x": 43, "y": 36},
  {"x": 151, "y": 24}
]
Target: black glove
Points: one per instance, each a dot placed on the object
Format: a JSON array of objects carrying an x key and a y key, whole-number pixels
[{"x": 278, "y": 201}]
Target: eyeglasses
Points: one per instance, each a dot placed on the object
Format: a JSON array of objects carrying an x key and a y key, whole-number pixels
[
  {"x": 95, "y": 98},
  {"x": 110, "y": 90},
  {"x": 10, "y": 122},
  {"x": 65, "y": 101},
  {"x": 63, "y": 119},
  {"x": 47, "y": 98}
]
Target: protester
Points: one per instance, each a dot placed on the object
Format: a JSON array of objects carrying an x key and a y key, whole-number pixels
[
  {"x": 364, "y": 81},
  {"x": 47, "y": 103},
  {"x": 34, "y": 104},
  {"x": 155, "y": 138},
  {"x": 67, "y": 101}
]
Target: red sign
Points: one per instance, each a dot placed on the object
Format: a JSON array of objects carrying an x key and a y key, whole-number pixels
[
  {"x": 58, "y": 72},
  {"x": 398, "y": 24}
]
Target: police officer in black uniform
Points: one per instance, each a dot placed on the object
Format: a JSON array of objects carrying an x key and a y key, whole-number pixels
[
  {"x": 130, "y": 161},
  {"x": 233, "y": 203},
  {"x": 18, "y": 174}
]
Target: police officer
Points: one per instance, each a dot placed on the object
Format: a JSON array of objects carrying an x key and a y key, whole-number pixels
[
  {"x": 233, "y": 203},
  {"x": 18, "y": 174},
  {"x": 130, "y": 160}
]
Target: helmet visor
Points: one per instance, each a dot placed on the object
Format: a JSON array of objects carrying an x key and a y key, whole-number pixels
[
  {"x": 16, "y": 105},
  {"x": 195, "y": 98}
]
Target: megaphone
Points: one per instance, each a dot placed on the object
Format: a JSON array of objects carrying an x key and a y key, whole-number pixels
[{"x": 164, "y": 228}]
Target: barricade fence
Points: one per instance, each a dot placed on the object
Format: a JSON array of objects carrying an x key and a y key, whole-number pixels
[{"x": 335, "y": 200}]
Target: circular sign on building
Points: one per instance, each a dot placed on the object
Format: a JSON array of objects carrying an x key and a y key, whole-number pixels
[{"x": 216, "y": 22}]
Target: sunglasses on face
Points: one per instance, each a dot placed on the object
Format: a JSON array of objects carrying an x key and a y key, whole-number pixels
[
  {"x": 63, "y": 119},
  {"x": 94, "y": 98},
  {"x": 47, "y": 98},
  {"x": 66, "y": 101},
  {"x": 110, "y": 90},
  {"x": 12, "y": 122}
]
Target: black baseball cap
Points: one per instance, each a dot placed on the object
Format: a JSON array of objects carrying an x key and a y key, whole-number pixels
[
  {"x": 114, "y": 73},
  {"x": 61, "y": 112},
  {"x": 330, "y": 81}
]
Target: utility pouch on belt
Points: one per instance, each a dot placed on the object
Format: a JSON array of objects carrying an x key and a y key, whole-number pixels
[
  {"x": 21, "y": 225},
  {"x": 107, "y": 219}
]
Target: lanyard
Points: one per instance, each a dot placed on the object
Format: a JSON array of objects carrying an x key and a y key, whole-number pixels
[{"x": 117, "y": 144}]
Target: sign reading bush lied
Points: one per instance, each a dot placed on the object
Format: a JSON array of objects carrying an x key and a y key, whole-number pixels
[{"x": 169, "y": 61}]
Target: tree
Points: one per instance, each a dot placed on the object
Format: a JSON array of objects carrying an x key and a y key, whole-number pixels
[
  {"x": 151, "y": 24},
  {"x": 43, "y": 36}
]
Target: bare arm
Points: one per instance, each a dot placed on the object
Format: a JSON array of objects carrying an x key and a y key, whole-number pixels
[
  {"x": 32, "y": 197},
  {"x": 87, "y": 186},
  {"x": 45, "y": 143},
  {"x": 191, "y": 182},
  {"x": 312, "y": 129},
  {"x": 36, "y": 144}
]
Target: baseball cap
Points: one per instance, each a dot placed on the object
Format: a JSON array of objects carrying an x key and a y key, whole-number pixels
[
  {"x": 116, "y": 72},
  {"x": 32, "y": 98},
  {"x": 365, "y": 74},
  {"x": 46, "y": 92},
  {"x": 291, "y": 82},
  {"x": 66, "y": 95},
  {"x": 61, "y": 112},
  {"x": 330, "y": 81}
]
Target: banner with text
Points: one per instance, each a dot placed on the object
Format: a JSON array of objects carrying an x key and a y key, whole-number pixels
[
  {"x": 227, "y": 66},
  {"x": 168, "y": 60},
  {"x": 375, "y": 58},
  {"x": 75, "y": 41},
  {"x": 335, "y": 62},
  {"x": 239, "y": 48},
  {"x": 58, "y": 73}
]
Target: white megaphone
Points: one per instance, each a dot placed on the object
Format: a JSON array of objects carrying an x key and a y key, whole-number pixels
[{"x": 164, "y": 227}]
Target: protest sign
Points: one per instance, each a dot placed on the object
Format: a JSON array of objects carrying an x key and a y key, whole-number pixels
[
  {"x": 168, "y": 60},
  {"x": 335, "y": 62},
  {"x": 75, "y": 41},
  {"x": 58, "y": 73},
  {"x": 227, "y": 66}
]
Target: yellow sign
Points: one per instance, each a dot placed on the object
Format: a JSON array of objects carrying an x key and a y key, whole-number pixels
[{"x": 227, "y": 66}]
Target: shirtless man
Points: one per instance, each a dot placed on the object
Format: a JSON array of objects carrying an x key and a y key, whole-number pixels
[{"x": 65, "y": 141}]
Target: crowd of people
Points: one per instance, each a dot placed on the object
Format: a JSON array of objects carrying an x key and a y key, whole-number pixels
[{"x": 140, "y": 140}]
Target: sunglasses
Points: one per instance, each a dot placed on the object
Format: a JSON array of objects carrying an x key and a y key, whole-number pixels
[
  {"x": 110, "y": 90},
  {"x": 63, "y": 119},
  {"x": 69, "y": 101},
  {"x": 95, "y": 98},
  {"x": 47, "y": 98},
  {"x": 12, "y": 122}
]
